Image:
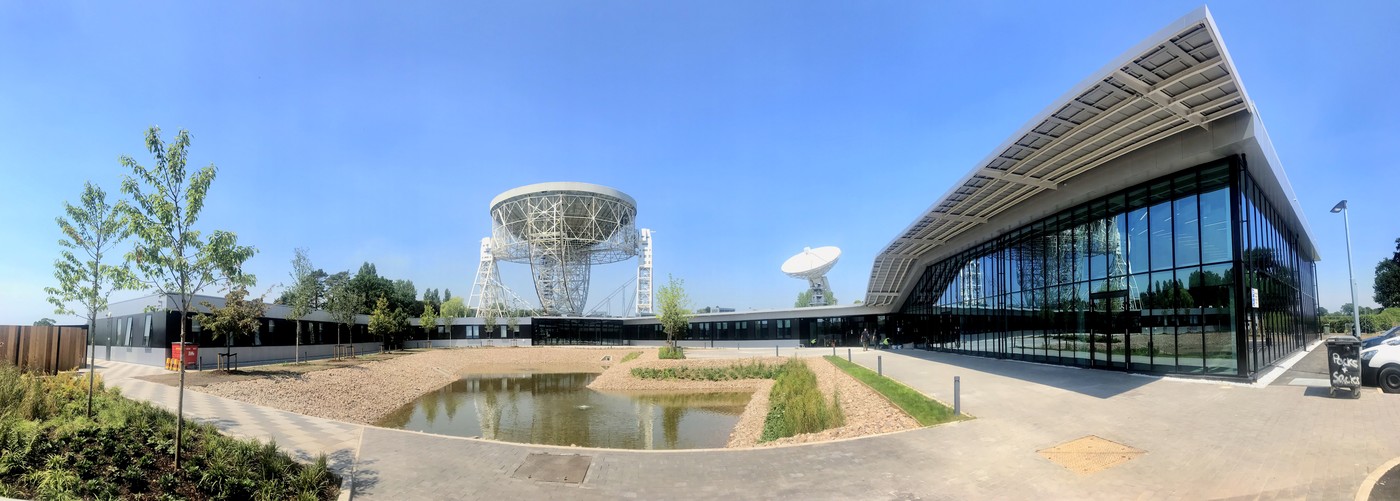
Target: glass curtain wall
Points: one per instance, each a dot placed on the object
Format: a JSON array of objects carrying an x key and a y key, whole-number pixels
[
  {"x": 1281, "y": 313},
  {"x": 1143, "y": 279}
]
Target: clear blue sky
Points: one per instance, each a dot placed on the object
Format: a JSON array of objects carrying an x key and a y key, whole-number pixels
[{"x": 745, "y": 130}]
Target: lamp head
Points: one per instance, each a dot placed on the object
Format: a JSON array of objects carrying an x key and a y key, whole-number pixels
[{"x": 1341, "y": 206}]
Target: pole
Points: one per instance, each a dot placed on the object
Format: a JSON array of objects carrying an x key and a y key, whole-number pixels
[
  {"x": 957, "y": 395},
  {"x": 775, "y": 351},
  {"x": 92, "y": 364},
  {"x": 848, "y": 354},
  {"x": 1355, "y": 307},
  {"x": 880, "y": 364}
]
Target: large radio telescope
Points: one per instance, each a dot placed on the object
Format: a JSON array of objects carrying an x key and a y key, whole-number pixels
[
  {"x": 561, "y": 230},
  {"x": 812, "y": 265}
]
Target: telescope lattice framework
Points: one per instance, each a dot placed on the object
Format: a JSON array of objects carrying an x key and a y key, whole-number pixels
[{"x": 561, "y": 230}]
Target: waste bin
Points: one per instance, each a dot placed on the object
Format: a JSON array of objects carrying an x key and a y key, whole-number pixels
[
  {"x": 190, "y": 353},
  {"x": 1344, "y": 364}
]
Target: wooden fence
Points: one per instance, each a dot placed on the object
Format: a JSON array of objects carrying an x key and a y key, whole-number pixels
[{"x": 43, "y": 349}]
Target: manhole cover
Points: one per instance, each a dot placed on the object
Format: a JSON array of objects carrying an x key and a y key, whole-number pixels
[
  {"x": 565, "y": 468},
  {"x": 1090, "y": 454}
]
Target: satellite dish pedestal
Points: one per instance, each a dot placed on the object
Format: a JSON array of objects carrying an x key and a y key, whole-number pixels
[{"x": 812, "y": 264}]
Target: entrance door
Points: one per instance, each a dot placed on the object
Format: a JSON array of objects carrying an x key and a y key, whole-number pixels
[{"x": 1109, "y": 339}]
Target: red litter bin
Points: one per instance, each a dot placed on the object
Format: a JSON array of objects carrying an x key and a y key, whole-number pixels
[{"x": 190, "y": 351}]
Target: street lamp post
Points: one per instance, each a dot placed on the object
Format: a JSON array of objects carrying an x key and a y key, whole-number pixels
[{"x": 1355, "y": 307}]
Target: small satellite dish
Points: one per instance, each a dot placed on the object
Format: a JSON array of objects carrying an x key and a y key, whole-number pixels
[{"x": 812, "y": 265}]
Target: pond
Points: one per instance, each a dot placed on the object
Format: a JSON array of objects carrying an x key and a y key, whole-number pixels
[{"x": 559, "y": 409}]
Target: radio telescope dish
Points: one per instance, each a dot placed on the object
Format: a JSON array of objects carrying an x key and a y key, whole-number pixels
[
  {"x": 561, "y": 230},
  {"x": 812, "y": 265}
]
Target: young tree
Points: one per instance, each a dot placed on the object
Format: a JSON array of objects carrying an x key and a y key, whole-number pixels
[
  {"x": 381, "y": 321},
  {"x": 172, "y": 260},
  {"x": 674, "y": 305},
  {"x": 344, "y": 302},
  {"x": 237, "y": 318},
  {"x": 513, "y": 324},
  {"x": 452, "y": 309},
  {"x": 429, "y": 322},
  {"x": 303, "y": 293},
  {"x": 490, "y": 323},
  {"x": 93, "y": 229}
]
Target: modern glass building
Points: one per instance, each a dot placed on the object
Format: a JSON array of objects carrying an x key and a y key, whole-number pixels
[{"x": 1142, "y": 223}]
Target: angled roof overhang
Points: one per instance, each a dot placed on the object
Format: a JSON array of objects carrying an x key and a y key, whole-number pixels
[{"x": 1179, "y": 79}]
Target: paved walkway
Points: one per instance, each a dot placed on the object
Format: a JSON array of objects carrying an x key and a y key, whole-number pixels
[{"x": 1204, "y": 440}]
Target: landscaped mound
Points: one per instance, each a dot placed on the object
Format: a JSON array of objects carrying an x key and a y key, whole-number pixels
[
  {"x": 50, "y": 450},
  {"x": 795, "y": 404}
]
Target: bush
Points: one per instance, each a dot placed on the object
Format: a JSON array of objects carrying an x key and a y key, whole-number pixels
[
  {"x": 796, "y": 404},
  {"x": 49, "y": 449},
  {"x": 631, "y": 356},
  {"x": 671, "y": 352},
  {"x": 746, "y": 370}
]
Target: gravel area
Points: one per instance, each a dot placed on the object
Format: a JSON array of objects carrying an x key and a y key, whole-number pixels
[{"x": 365, "y": 393}]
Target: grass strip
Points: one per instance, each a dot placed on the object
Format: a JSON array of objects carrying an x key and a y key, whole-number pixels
[
  {"x": 926, "y": 411},
  {"x": 796, "y": 404},
  {"x": 671, "y": 353},
  {"x": 631, "y": 356}
]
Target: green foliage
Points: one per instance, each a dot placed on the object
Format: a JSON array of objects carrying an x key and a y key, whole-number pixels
[
  {"x": 165, "y": 205},
  {"x": 1387, "y": 283},
  {"x": 238, "y": 317},
  {"x": 671, "y": 353},
  {"x": 804, "y": 299},
  {"x": 925, "y": 410},
  {"x": 44, "y": 322},
  {"x": 388, "y": 324},
  {"x": 303, "y": 291},
  {"x": 452, "y": 309},
  {"x": 343, "y": 302},
  {"x": 674, "y": 305},
  {"x": 796, "y": 405},
  {"x": 734, "y": 372},
  {"x": 48, "y": 450},
  {"x": 428, "y": 320},
  {"x": 631, "y": 356},
  {"x": 92, "y": 229}
]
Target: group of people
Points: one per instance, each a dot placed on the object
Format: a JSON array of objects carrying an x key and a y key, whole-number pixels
[{"x": 868, "y": 339}]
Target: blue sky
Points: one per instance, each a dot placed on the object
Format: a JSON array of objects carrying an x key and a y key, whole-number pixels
[{"x": 745, "y": 130}]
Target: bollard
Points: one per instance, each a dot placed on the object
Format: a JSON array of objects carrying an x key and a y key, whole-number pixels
[
  {"x": 833, "y": 350},
  {"x": 957, "y": 395},
  {"x": 880, "y": 364},
  {"x": 848, "y": 354},
  {"x": 775, "y": 352}
]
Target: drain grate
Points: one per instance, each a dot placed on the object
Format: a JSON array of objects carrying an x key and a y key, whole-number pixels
[
  {"x": 563, "y": 468},
  {"x": 1090, "y": 454}
]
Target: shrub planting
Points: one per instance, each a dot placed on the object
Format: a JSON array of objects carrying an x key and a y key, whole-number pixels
[
  {"x": 745, "y": 370},
  {"x": 631, "y": 356},
  {"x": 49, "y": 450},
  {"x": 671, "y": 353},
  {"x": 796, "y": 404}
]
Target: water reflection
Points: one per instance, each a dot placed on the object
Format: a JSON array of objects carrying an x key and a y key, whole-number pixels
[{"x": 559, "y": 409}]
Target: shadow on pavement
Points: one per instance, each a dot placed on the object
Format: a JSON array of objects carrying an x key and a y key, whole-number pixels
[
  {"x": 366, "y": 477},
  {"x": 1091, "y": 382}
]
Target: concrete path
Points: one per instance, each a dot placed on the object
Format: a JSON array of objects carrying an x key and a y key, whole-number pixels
[
  {"x": 1203, "y": 440},
  {"x": 304, "y": 437}
]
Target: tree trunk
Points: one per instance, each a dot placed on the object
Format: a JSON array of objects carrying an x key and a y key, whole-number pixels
[
  {"x": 296, "y": 355},
  {"x": 180, "y": 400}
]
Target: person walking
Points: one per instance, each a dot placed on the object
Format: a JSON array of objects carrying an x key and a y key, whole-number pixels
[{"x": 864, "y": 340}]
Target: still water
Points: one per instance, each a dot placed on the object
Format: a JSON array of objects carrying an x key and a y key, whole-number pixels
[{"x": 559, "y": 409}]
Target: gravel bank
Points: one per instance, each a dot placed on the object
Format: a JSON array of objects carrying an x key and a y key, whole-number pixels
[{"x": 365, "y": 393}]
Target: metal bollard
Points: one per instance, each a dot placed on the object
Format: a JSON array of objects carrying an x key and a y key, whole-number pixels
[
  {"x": 880, "y": 364},
  {"x": 957, "y": 395},
  {"x": 833, "y": 350},
  {"x": 848, "y": 354},
  {"x": 775, "y": 351}
]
